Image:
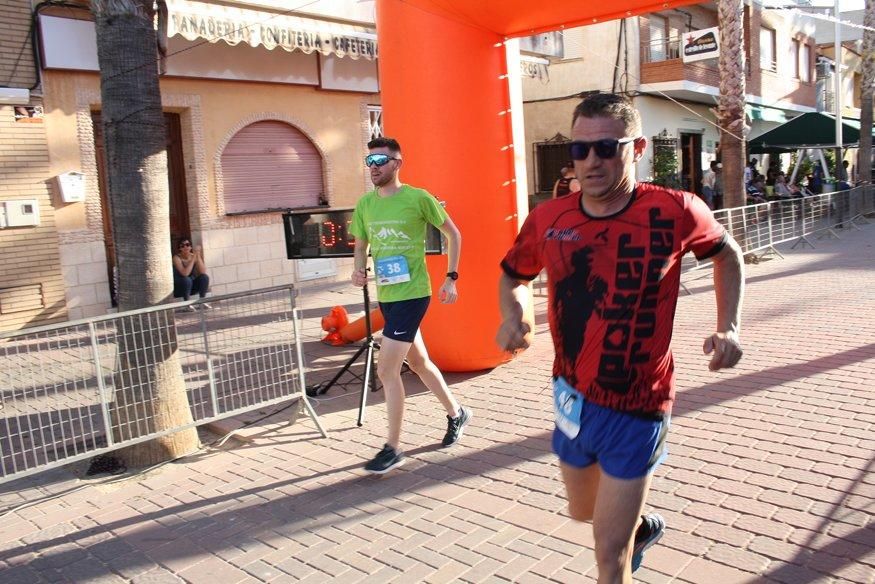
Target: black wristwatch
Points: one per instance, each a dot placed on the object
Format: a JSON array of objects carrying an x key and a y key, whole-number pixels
[{"x": 453, "y": 275}]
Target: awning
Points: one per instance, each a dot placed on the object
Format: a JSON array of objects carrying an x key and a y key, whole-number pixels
[
  {"x": 808, "y": 130},
  {"x": 214, "y": 23},
  {"x": 766, "y": 114}
]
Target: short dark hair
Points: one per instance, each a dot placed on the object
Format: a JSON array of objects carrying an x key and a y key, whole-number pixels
[
  {"x": 182, "y": 240},
  {"x": 610, "y": 105},
  {"x": 385, "y": 142}
]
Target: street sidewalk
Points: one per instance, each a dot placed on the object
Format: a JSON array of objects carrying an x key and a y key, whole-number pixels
[{"x": 769, "y": 478}]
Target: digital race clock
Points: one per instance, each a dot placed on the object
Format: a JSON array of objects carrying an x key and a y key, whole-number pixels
[{"x": 324, "y": 233}]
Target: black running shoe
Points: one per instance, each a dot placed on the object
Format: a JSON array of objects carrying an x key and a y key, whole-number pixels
[
  {"x": 650, "y": 531},
  {"x": 386, "y": 460},
  {"x": 455, "y": 426}
]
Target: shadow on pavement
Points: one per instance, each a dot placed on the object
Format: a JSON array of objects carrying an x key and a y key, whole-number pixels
[{"x": 301, "y": 503}]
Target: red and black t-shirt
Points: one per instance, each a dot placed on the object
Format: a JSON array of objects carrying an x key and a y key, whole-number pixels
[{"x": 613, "y": 289}]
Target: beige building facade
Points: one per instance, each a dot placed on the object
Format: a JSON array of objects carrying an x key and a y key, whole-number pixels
[
  {"x": 642, "y": 57},
  {"x": 252, "y": 129},
  {"x": 31, "y": 281}
]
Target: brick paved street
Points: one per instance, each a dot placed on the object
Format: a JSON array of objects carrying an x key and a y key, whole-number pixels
[{"x": 769, "y": 479}]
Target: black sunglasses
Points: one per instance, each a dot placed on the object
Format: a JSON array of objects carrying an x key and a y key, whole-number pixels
[
  {"x": 185, "y": 244},
  {"x": 378, "y": 159},
  {"x": 604, "y": 149}
]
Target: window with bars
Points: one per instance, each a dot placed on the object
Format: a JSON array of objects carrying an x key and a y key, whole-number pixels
[
  {"x": 795, "y": 59},
  {"x": 805, "y": 63},
  {"x": 767, "y": 50},
  {"x": 375, "y": 121},
  {"x": 550, "y": 157}
]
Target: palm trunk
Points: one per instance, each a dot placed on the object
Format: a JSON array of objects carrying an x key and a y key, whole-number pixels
[
  {"x": 730, "y": 110},
  {"x": 864, "y": 155},
  {"x": 149, "y": 388}
]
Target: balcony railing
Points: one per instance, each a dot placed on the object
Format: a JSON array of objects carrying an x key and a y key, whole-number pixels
[
  {"x": 771, "y": 66},
  {"x": 662, "y": 50}
]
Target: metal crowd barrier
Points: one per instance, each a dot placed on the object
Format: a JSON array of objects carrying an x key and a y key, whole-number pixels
[
  {"x": 759, "y": 228},
  {"x": 73, "y": 390}
]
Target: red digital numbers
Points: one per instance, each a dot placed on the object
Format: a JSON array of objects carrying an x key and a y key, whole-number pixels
[
  {"x": 335, "y": 236},
  {"x": 329, "y": 234}
]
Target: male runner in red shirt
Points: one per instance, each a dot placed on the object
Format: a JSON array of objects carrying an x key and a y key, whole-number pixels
[{"x": 613, "y": 254}]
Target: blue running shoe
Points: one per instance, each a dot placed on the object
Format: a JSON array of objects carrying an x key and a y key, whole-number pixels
[
  {"x": 387, "y": 459},
  {"x": 650, "y": 531}
]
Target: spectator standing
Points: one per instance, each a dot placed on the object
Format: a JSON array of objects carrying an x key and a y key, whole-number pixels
[
  {"x": 709, "y": 184},
  {"x": 567, "y": 182}
]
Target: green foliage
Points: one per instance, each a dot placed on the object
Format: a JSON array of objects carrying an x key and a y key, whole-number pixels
[
  {"x": 804, "y": 170},
  {"x": 808, "y": 164},
  {"x": 665, "y": 166}
]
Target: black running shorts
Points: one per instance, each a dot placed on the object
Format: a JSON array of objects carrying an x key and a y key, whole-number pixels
[{"x": 403, "y": 318}]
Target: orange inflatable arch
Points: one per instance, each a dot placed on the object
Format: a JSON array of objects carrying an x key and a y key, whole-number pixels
[{"x": 446, "y": 98}]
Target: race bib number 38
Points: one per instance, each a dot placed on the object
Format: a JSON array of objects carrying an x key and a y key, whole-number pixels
[{"x": 392, "y": 270}]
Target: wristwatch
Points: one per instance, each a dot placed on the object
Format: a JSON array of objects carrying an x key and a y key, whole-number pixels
[{"x": 453, "y": 275}]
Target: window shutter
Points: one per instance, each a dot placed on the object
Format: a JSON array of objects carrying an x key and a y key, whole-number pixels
[{"x": 271, "y": 165}]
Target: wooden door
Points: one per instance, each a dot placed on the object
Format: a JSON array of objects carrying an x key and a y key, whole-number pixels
[
  {"x": 179, "y": 218},
  {"x": 179, "y": 222},
  {"x": 691, "y": 162}
]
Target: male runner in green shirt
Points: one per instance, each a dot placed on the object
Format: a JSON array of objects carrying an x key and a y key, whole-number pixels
[{"x": 392, "y": 219}]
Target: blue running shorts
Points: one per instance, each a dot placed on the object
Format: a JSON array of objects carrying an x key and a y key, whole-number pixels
[{"x": 627, "y": 446}]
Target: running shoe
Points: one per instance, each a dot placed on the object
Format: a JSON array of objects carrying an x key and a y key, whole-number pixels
[
  {"x": 387, "y": 459},
  {"x": 650, "y": 531},
  {"x": 455, "y": 426}
]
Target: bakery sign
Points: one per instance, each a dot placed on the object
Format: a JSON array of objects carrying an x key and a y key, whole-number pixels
[
  {"x": 699, "y": 45},
  {"x": 214, "y": 23}
]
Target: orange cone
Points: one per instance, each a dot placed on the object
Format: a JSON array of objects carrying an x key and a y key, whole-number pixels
[
  {"x": 336, "y": 319},
  {"x": 357, "y": 329}
]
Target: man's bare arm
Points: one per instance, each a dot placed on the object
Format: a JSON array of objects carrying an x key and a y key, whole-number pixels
[
  {"x": 515, "y": 330},
  {"x": 454, "y": 244},
  {"x": 448, "y": 293},
  {"x": 729, "y": 289},
  {"x": 360, "y": 262}
]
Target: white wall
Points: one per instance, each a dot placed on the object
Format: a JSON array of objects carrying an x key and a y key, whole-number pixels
[
  {"x": 589, "y": 64},
  {"x": 86, "y": 282},
  {"x": 658, "y": 114}
]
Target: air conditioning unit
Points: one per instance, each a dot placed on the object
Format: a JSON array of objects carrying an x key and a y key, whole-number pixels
[{"x": 14, "y": 96}]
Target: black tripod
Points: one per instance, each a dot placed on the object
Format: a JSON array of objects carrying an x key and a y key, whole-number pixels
[{"x": 367, "y": 349}]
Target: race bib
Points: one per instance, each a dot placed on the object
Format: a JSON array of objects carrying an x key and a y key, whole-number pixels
[
  {"x": 392, "y": 270},
  {"x": 568, "y": 404}
]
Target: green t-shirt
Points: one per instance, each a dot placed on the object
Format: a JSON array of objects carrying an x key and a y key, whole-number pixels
[{"x": 396, "y": 226}]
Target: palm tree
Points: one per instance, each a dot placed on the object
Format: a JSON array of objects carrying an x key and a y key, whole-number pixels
[
  {"x": 149, "y": 388},
  {"x": 730, "y": 111},
  {"x": 864, "y": 155}
]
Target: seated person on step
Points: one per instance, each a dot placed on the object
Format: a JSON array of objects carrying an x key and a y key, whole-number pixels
[{"x": 189, "y": 272}]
